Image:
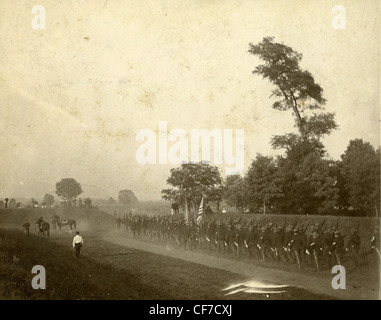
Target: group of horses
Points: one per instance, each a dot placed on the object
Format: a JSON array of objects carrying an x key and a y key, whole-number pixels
[{"x": 43, "y": 227}]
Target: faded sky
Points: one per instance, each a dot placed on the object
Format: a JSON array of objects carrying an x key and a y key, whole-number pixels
[{"x": 73, "y": 96}]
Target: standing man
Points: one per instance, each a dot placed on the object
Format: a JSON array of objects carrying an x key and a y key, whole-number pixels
[
  {"x": 77, "y": 244},
  {"x": 118, "y": 222},
  {"x": 26, "y": 227}
]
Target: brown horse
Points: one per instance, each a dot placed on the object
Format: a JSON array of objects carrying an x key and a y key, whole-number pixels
[
  {"x": 44, "y": 229},
  {"x": 57, "y": 221}
]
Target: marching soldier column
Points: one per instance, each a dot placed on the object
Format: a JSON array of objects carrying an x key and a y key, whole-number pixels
[{"x": 320, "y": 247}]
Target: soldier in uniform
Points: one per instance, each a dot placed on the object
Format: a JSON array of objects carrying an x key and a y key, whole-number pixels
[
  {"x": 26, "y": 227},
  {"x": 374, "y": 254},
  {"x": 288, "y": 234},
  {"x": 327, "y": 240},
  {"x": 314, "y": 249},
  {"x": 251, "y": 241},
  {"x": 265, "y": 243},
  {"x": 220, "y": 239},
  {"x": 353, "y": 247},
  {"x": 297, "y": 246},
  {"x": 239, "y": 240},
  {"x": 338, "y": 247},
  {"x": 277, "y": 244},
  {"x": 230, "y": 239},
  {"x": 209, "y": 236}
]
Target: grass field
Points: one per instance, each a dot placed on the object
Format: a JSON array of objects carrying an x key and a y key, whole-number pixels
[
  {"x": 108, "y": 271},
  {"x": 111, "y": 271}
]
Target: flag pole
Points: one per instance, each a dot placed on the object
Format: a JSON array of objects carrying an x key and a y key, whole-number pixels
[{"x": 186, "y": 213}]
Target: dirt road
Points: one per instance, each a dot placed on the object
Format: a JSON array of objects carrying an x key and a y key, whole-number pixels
[
  {"x": 316, "y": 283},
  {"x": 114, "y": 266}
]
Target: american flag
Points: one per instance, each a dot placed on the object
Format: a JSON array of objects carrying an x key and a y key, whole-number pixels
[{"x": 200, "y": 211}]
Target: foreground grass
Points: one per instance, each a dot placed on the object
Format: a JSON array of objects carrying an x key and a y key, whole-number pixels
[{"x": 108, "y": 271}]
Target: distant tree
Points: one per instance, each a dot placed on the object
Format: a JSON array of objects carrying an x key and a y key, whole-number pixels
[
  {"x": 68, "y": 189},
  {"x": 34, "y": 203},
  {"x": 12, "y": 203},
  {"x": 360, "y": 168},
  {"x": 263, "y": 183},
  {"x": 2, "y": 204},
  {"x": 193, "y": 181},
  {"x": 80, "y": 203},
  {"x": 6, "y": 202},
  {"x": 49, "y": 199},
  {"x": 18, "y": 205},
  {"x": 111, "y": 201},
  {"x": 87, "y": 202},
  {"x": 127, "y": 197}
]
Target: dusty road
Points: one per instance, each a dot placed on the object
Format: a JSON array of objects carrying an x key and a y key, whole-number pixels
[
  {"x": 109, "y": 271},
  {"x": 114, "y": 266},
  {"x": 315, "y": 283}
]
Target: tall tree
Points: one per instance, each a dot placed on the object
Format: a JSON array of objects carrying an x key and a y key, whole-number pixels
[
  {"x": 360, "y": 167},
  {"x": 127, "y": 197},
  {"x": 295, "y": 88},
  {"x": 193, "y": 181},
  {"x": 6, "y": 202},
  {"x": 68, "y": 189}
]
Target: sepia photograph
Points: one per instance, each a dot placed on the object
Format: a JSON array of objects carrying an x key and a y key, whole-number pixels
[{"x": 190, "y": 150}]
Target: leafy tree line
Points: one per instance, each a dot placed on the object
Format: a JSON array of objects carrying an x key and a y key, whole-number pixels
[
  {"x": 303, "y": 180},
  {"x": 309, "y": 184}
]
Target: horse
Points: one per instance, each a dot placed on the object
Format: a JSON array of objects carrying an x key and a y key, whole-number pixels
[
  {"x": 43, "y": 229},
  {"x": 56, "y": 220}
]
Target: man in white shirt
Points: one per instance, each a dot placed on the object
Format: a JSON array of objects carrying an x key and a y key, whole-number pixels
[{"x": 77, "y": 244}]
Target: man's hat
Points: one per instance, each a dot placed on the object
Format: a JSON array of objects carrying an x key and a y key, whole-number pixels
[{"x": 337, "y": 233}]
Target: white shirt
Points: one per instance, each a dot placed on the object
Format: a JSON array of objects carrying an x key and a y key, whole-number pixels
[{"x": 77, "y": 239}]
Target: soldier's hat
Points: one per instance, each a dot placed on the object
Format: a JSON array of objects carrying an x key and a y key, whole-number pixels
[
  {"x": 337, "y": 233},
  {"x": 315, "y": 234},
  {"x": 354, "y": 230},
  {"x": 296, "y": 230},
  {"x": 264, "y": 228}
]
